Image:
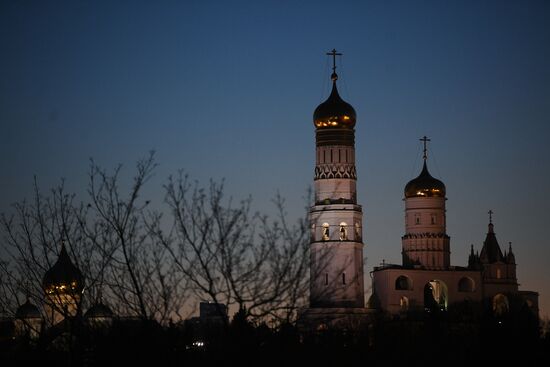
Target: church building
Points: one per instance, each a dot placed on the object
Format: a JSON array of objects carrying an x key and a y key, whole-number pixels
[{"x": 426, "y": 281}]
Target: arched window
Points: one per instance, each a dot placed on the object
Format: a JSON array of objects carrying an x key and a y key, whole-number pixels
[
  {"x": 357, "y": 231},
  {"x": 403, "y": 283},
  {"x": 500, "y": 304},
  {"x": 343, "y": 231},
  {"x": 313, "y": 232},
  {"x": 326, "y": 233},
  {"x": 466, "y": 284},
  {"x": 499, "y": 274}
]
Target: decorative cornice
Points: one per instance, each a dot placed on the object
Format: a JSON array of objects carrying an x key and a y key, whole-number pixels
[
  {"x": 323, "y": 171},
  {"x": 425, "y": 235}
]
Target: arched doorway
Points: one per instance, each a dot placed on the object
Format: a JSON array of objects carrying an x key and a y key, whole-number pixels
[{"x": 435, "y": 296}]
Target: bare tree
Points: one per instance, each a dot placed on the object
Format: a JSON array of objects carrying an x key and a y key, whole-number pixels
[
  {"x": 109, "y": 240},
  {"x": 32, "y": 237},
  {"x": 139, "y": 280},
  {"x": 234, "y": 257}
]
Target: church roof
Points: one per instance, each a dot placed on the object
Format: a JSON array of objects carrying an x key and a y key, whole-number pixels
[
  {"x": 334, "y": 112},
  {"x": 425, "y": 185},
  {"x": 491, "y": 253},
  {"x": 63, "y": 276}
]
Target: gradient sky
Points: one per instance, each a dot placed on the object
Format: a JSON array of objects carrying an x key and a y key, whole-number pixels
[{"x": 227, "y": 90}]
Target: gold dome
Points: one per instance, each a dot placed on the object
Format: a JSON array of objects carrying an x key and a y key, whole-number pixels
[
  {"x": 64, "y": 276},
  {"x": 425, "y": 185},
  {"x": 334, "y": 113}
]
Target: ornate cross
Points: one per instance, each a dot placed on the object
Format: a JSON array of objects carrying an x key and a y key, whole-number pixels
[
  {"x": 490, "y": 212},
  {"x": 334, "y": 54},
  {"x": 425, "y": 140}
]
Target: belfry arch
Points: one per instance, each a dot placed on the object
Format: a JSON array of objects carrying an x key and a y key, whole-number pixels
[{"x": 436, "y": 296}]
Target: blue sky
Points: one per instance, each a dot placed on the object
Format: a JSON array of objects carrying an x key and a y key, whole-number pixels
[{"x": 227, "y": 90}]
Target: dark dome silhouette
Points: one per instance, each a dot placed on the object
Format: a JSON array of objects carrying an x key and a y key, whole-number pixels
[
  {"x": 425, "y": 185},
  {"x": 27, "y": 311},
  {"x": 334, "y": 112},
  {"x": 63, "y": 276},
  {"x": 98, "y": 310}
]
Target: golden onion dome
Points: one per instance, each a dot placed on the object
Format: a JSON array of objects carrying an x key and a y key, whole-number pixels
[
  {"x": 425, "y": 185},
  {"x": 334, "y": 112},
  {"x": 63, "y": 277}
]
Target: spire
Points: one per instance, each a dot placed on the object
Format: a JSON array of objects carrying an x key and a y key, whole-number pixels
[
  {"x": 491, "y": 253},
  {"x": 333, "y": 53},
  {"x": 510, "y": 258}
]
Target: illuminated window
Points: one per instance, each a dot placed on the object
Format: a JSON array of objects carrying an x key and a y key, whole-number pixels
[
  {"x": 326, "y": 232},
  {"x": 498, "y": 274},
  {"x": 343, "y": 231}
]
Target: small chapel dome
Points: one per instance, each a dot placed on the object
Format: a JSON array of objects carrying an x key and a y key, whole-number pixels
[
  {"x": 334, "y": 112},
  {"x": 27, "y": 311},
  {"x": 99, "y": 310},
  {"x": 64, "y": 276},
  {"x": 425, "y": 185}
]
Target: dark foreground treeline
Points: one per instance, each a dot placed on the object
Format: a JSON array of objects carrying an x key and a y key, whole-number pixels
[{"x": 430, "y": 341}]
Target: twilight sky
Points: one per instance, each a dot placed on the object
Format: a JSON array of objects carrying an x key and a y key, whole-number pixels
[{"x": 227, "y": 89}]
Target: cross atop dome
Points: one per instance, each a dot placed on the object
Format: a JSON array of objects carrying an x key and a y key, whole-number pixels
[
  {"x": 425, "y": 140},
  {"x": 333, "y": 53}
]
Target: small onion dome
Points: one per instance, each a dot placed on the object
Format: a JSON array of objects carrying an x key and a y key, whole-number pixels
[
  {"x": 99, "y": 310},
  {"x": 27, "y": 311},
  {"x": 334, "y": 112},
  {"x": 64, "y": 276},
  {"x": 425, "y": 186}
]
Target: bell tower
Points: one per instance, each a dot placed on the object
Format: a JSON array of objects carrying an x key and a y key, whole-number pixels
[
  {"x": 336, "y": 278},
  {"x": 425, "y": 243}
]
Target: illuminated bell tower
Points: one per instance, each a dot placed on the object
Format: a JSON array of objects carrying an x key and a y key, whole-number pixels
[
  {"x": 336, "y": 218},
  {"x": 425, "y": 243}
]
